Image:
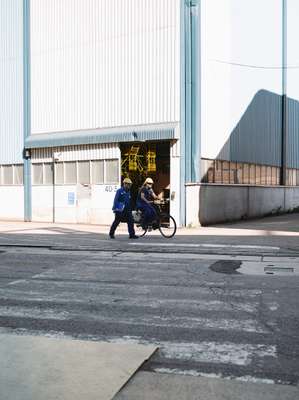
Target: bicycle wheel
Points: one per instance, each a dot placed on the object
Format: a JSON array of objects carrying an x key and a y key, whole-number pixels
[
  {"x": 139, "y": 230},
  {"x": 167, "y": 225}
]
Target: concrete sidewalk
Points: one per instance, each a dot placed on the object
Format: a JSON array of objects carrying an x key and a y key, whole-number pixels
[
  {"x": 278, "y": 231},
  {"x": 158, "y": 386},
  {"x": 281, "y": 225},
  {"x": 39, "y": 368}
]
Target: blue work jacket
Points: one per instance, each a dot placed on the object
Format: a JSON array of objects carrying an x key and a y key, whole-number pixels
[
  {"x": 148, "y": 194},
  {"x": 122, "y": 200}
]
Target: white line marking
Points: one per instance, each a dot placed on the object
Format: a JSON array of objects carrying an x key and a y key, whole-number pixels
[
  {"x": 234, "y": 246},
  {"x": 212, "y": 352},
  {"x": 192, "y": 372},
  {"x": 229, "y": 324}
]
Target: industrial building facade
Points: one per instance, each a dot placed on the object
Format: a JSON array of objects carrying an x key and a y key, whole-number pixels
[{"x": 199, "y": 95}]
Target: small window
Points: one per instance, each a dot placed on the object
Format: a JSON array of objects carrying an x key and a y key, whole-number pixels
[
  {"x": 7, "y": 174},
  {"x": 97, "y": 172},
  {"x": 59, "y": 179},
  {"x": 233, "y": 173},
  {"x": 37, "y": 172},
  {"x": 48, "y": 174},
  {"x": 225, "y": 172},
  {"x": 278, "y": 175},
  {"x": 257, "y": 175},
  {"x": 218, "y": 173},
  {"x": 252, "y": 179},
  {"x": 112, "y": 173},
  {"x": 275, "y": 180},
  {"x": 83, "y": 172},
  {"x": 245, "y": 174},
  {"x": 269, "y": 176},
  {"x": 240, "y": 173},
  {"x": 70, "y": 170},
  {"x": 18, "y": 174},
  {"x": 211, "y": 172},
  {"x": 263, "y": 175},
  {"x": 293, "y": 177}
]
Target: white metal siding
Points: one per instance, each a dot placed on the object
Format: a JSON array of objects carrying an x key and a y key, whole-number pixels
[
  {"x": 11, "y": 81},
  {"x": 12, "y": 203},
  {"x": 241, "y": 79},
  {"x": 77, "y": 153},
  {"x": 104, "y": 63}
]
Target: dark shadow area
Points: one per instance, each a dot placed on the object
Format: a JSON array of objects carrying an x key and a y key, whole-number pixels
[
  {"x": 257, "y": 137},
  {"x": 279, "y": 223}
]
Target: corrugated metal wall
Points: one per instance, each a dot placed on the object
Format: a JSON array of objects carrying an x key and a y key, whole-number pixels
[
  {"x": 293, "y": 82},
  {"x": 257, "y": 136},
  {"x": 104, "y": 63},
  {"x": 11, "y": 81},
  {"x": 74, "y": 153},
  {"x": 293, "y": 133}
]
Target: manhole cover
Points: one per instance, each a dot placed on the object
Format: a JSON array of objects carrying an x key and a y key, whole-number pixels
[{"x": 226, "y": 266}]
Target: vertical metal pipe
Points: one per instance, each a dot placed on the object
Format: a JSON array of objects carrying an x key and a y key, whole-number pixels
[
  {"x": 53, "y": 177},
  {"x": 284, "y": 101},
  {"x": 188, "y": 93},
  {"x": 195, "y": 90},
  {"x": 182, "y": 114},
  {"x": 26, "y": 108}
]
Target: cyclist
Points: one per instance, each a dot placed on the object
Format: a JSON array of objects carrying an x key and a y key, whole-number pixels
[{"x": 145, "y": 199}]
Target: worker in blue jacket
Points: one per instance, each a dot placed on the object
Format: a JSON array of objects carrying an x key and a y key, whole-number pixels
[{"x": 123, "y": 210}]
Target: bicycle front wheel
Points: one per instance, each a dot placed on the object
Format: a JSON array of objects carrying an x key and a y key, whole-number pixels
[{"x": 167, "y": 225}]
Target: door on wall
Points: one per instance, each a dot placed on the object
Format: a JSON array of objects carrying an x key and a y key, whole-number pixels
[{"x": 147, "y": 159}]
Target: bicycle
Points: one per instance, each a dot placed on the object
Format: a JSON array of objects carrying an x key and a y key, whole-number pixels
[{"x": 164, "y": 222}]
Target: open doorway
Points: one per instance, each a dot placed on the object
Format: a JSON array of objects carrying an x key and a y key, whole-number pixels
[{"x": 147, "y": 159}]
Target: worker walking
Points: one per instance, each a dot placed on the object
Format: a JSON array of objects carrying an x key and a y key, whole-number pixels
[{"x": 122, "y": 209}]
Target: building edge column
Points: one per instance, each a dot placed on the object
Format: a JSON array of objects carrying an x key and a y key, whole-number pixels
[
  {"x": 284, "y": 100},
  {"x": 26, "y": 111},
  {"x": 190, "y": 124}
]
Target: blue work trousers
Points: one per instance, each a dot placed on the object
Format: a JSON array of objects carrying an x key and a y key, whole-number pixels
[
  {"x": 149, "y": 213},
  {"x": 125, "y": 216}
]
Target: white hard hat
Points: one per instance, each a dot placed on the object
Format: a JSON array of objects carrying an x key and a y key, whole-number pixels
[
  {"x": 148, "y": 180},
  {"x": 127, "y": 180}
]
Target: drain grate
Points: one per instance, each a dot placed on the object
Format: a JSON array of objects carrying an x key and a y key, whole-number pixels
[
  {"x": 255, "y": 268},
  {"x": 270, "y": 270},
  {"x": 279, "y": 268}
]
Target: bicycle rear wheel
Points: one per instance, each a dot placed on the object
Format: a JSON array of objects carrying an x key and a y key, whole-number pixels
[{"x": 167, "y": 225}]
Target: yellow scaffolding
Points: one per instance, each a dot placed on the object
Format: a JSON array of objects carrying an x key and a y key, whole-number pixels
[
  {"x": 133, "y": 159},
  {"x": 151, "y": 159}
]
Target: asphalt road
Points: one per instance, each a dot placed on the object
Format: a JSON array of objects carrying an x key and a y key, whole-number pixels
[{"x": 191, "y": 300}]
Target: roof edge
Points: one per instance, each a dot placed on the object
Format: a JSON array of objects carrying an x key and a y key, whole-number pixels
[{"x": 96, "y": 136}]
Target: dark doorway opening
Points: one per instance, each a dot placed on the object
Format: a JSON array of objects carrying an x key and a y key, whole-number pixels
[{"x": 140, "y": 160}]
